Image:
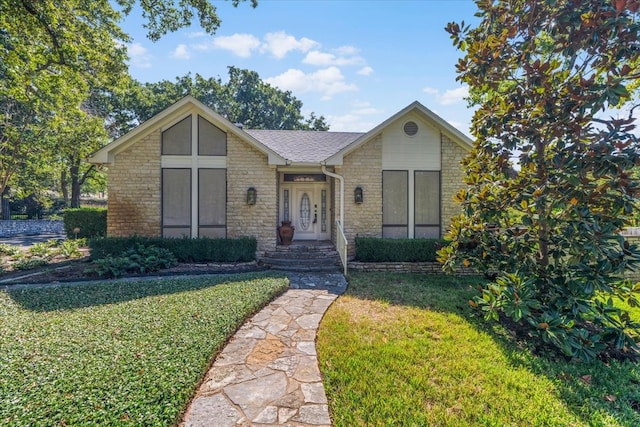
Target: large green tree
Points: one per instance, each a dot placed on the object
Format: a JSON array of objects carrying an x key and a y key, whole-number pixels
[
  {"x": 243, "y": 98},
  {"x": 549, "y": 184},
  {"x": 53, "y": 53}
]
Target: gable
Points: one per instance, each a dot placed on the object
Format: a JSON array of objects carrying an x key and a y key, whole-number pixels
[
  {"x": 214, "y": 127},
  {"x": 404, "y": 149}
]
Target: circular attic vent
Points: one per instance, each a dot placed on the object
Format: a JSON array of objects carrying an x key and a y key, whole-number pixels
[{"x": 410, "y": 128}]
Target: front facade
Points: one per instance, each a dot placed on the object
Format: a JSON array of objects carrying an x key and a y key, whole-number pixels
[{"x": 190, "y": 172}]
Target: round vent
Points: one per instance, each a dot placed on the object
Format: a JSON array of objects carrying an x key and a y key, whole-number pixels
[{"x": 410, "y": 128}]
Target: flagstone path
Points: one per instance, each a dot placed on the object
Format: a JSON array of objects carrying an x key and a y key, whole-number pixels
[{"x": 268, "y": 375}]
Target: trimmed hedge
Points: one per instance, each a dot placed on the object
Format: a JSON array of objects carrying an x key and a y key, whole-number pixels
[
  {"x": 372, "y": 249},
  {"x": 184, "y": 249},
  {"x": 91, "y": 222}
]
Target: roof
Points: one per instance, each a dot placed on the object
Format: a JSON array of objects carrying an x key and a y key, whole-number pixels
[{"x": 299, "y": 146}]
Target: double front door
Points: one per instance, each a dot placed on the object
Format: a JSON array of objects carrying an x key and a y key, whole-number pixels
[{"x": 307, "y": 207}]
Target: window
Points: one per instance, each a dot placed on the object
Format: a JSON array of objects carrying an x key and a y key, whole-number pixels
[
  {"x": 395, "y": 204},
  {"x": 176, "y": 202},
  {"x": 212, "y": 202},
  {"x": 176, "y": 141},
  {"x": 211, "y": 140},
  {"x": 427, "y": 204}
]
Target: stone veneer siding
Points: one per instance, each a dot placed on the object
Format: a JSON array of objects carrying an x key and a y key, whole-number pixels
[
  {"x": 247, "y": 167},
  {"x": 134, "y": 190},
  {"x": 452, "y": 180},
  {"x": 362, "y": 167}
]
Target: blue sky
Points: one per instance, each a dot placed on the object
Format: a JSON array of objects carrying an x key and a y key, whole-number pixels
[{"x": 355, "y": 62}]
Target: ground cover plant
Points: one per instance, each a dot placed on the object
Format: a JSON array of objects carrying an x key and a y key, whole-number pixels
[
  {"x": 407, "y": 350},
  {"x": 117, "y": 353},
  {"x": 12, "y": 258}
]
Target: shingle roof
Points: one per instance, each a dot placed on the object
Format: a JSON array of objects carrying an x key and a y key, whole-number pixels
[{"x": 301, "y": 146}]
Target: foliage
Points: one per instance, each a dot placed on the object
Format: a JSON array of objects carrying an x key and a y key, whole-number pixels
[
  {"x": 56, "y": 59},
  {"x": 399, "y": 349},
  {"x": 244, "y": 99},
  {"x": 540, "y": 74},
  {"x": 28, "y": 263},
  {"x": 7, "y": 249},
  {"x": 71, "y": 248},
  {"x": 185, "y": 250},
  {"x": 89, "y": 222},
  {"x": 138, "y": 259},
  {"x": 120, "y": 352},
  {"x": 372, "y": 249}
]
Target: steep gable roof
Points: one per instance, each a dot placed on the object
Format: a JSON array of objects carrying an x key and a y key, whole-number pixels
[
  {"x": 445, "y": 127},
  {"x": 107, "y": 153}
]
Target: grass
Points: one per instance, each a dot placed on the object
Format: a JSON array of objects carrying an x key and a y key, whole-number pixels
[
  {"x": 120, "y": 353},
  {"x": 406, "y": 350}
]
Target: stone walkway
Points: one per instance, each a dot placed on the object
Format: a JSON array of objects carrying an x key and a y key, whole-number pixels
[{"x": 268, "y": 373}]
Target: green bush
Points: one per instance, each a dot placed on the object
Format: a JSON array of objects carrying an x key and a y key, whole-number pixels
[
  {"x": 184, "y": 249},
  {"x": 372, "y": 249},
  {"x": 29, "y": 263},
  {"x": 89, "y": 222},
  {"x": 139, "y": 259},
  {"x": 10, "y": 250}
]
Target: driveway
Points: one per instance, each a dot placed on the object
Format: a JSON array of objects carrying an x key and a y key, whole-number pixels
[{"x": 26, "y": 240}]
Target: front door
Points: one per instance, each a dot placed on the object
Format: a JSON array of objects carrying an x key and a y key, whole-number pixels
[{"x": 308, "y": 210}]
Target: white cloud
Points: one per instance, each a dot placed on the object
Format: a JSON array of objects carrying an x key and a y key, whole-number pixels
[
  {"x": 239, "y": 44},
  {"x": 450, "y": 96},
  {"x": 365, "y": 71},
  {"x": 181, "y": 52},
  {"x": 328, "y": 81},
  {"x": 324, "y": 59},
  {"x": 196, "y": 34},
  {"x": 281, "y": 43},
  {"x": 139, "y": 56},
  {"x": 453, "y": 96}
]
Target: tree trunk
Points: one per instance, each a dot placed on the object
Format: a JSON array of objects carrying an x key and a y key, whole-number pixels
[
  {"x": 75, "y": 186},
  {"x": 64, "y": 186}
]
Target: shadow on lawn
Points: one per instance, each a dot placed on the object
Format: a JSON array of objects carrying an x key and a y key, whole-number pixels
[
  {"x": 74, "y": 296},
  {"x": 590, "y": 390}
]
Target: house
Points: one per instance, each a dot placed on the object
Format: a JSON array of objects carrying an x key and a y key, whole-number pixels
[{"x": 190, "y": 172}]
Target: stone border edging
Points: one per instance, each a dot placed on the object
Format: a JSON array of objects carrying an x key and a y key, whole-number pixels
[{"x": 406, "y": 267}]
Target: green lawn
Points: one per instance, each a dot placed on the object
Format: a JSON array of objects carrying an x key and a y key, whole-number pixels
[
  {"x": 405, "y": 350},
  {"x": 127, "y": 353}
]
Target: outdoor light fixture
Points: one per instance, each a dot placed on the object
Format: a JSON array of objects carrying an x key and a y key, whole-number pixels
[
  {"x": 252, "y": 196},
  {"x": 357, "y": 195}
]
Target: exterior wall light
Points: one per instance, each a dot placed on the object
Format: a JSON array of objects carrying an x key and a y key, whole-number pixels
[
  {"x": 252, "y": 196},
  {"x": 357, "y": 195}
]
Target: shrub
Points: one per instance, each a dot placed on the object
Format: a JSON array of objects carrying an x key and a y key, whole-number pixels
[
  {"x": 71, "y": 248},
  {"x": 89, "y": 222},
  {"x": 372, "y": 249},
  {"x": 10, "y": 250},
  {"x": 29, "y": 263},
  {"x": 139, "y": 259},
  {"x": 41, "y": 250},
  {"x": 184, "y": 249}
]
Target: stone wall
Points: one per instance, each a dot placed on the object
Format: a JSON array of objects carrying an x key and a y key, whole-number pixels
[
  {"x": 134, "y": 190},
  {"x": 362, "y": 167},
  {"x": 451, "y": 176},
  {"x": 247, "y": 167},
  {"x": 405, "y": 267},
  {"x": 30, "y": 227}
]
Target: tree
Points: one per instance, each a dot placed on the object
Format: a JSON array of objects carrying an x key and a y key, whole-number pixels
[
  {"x": 244, "y": 98},
  {"x": 53, "y": 53},
  {"x": 546, "y": 227}
]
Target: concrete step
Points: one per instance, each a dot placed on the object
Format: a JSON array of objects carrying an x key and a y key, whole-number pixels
[{"x": 303, "y": 257}]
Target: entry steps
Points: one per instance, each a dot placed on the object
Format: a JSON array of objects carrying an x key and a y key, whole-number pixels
[{"x": 304, "y": 256}]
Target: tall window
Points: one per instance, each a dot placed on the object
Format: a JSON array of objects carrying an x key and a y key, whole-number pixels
[
  {"x": 395, "y": 204},
  {"x": 194, "y": 179},
  {"x": 427, "y": 204}
]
